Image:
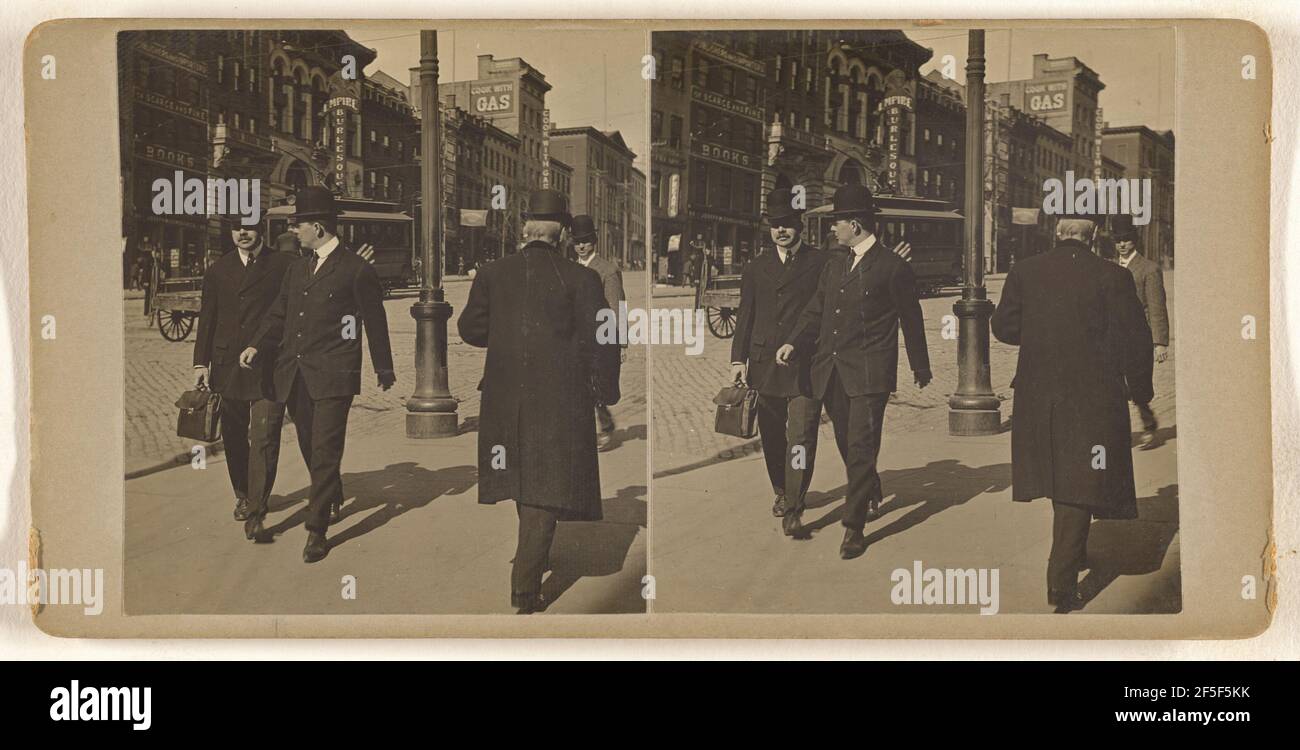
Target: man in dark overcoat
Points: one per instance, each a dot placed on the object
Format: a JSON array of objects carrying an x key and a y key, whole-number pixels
[
  {"x": 239, "y": 290},
  {"x": 1150, "y": 285},
  {"x": 1084, "y": 349},
  {"x": 535, "y": 311},
  {"x": 774, "y": 289},
  {"x": 852, "y": 323},
  {"x": 316, "y": 324}
]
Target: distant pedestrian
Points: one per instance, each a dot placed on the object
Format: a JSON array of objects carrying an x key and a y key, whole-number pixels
[
  {"x": 1151, "y": 291},
  {"x": 611, "y": 279}
]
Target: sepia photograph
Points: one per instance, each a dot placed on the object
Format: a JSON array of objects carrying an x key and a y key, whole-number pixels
[
  {"x": 361, "y": 273},
  {"x": 936, "y": 267}
]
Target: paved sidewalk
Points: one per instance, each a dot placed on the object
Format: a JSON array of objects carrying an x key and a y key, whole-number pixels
[
  {"x": 717, "y": 547},
  {"x": 412, "y": 532}
]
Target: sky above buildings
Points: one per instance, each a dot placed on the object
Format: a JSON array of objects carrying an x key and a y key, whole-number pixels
[
  {"x": 1137, "y": 65},
  {"x": 595, "y": 76}
]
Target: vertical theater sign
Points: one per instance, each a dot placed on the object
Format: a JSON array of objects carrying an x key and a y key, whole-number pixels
[{"x": 896, "y": 108}]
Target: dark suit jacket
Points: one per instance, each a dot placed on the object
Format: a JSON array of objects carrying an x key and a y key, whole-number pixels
[
  {"x": 1151, "y": 291},
  {"x": 611, "y": 281},
  {"x": 1083, "y": 341},
  {"x": 853, "y": 321},
  {"x": 535, "y": 311},
  {"x": 236, "y": 299},
  {"x": 312, "y": 318},
  {"x": 772, "y": 297}
]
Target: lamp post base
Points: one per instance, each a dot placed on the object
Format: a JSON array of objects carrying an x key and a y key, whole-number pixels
[
  {"x": 428, "y": 424},
  {"x": 431, "y": 411},
  {"x": 971, "y": 422},
  {"x": 973, "y": 409}
]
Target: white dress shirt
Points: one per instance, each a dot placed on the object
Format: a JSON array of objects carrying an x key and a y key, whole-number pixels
[
  {"x": 324, "y": 251},
  {"x": 861, "y": 249},
  {"x": 786, "y": 255}
]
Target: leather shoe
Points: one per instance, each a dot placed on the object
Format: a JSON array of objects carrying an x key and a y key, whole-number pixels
[
  {"x": 316, "y": 548},
  {"x": 241, "y": 509},
  {"x": 854, "y": 544},
  {"x": 604, "y": 442},
  {"x": 528, "y": 603},
  {"x": 1065, "y": 601},
  {"x": 790, "y": 523},
  {"x": 778, "y": 508},
  {"x": 253, "y": 528},
  {"x": 873, "y": 511},
  {"x": 336, "y": 512}
]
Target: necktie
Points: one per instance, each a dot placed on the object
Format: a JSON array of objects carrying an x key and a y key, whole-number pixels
[{"x": 315, "y": 262}]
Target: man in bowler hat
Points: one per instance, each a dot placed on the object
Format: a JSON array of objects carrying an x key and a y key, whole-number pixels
[
  {"x": 611, "y": 280},
  {"x": 1151, "y": 292},
  {"x": 535, "y": 311},
  {"x": 1084, "y": 349},
  {"x": 316, "y": 324},
  {"x": 239, "y": 290},
  {"x": 774, "y": 290},
  {"x": 852, "y": 324}
]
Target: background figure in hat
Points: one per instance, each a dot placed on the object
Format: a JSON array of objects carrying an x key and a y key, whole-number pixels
[
  {"x": 1083, "y": 341},
  {"x": 1151, "y": 292},
  {"x": 316, "y": 325},
  {"x": 611, "y": 280},
  {"x": 535, "y": 311},
  {"x": 774, "y": 290},
  {"x": 239, "y": 290},
  {"x": 852, "y": 325}
]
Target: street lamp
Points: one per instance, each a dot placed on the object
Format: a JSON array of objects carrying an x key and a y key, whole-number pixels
[
  {"x": 431, "y": 411},
  {"x": 973, "y": 409}
]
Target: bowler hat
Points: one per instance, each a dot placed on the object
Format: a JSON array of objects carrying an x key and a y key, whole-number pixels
[
  {"x": 1121, "y": 228},
  {"x": 313, "y": 202},
  {"x": 852, "y": 200},
  {"x": 548, "y": 205},
  {"x": 781, "y": 210},
  {"x": 584, "y": 228}
]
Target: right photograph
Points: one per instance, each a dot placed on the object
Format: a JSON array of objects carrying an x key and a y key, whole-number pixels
[{"x": 932, "y": 271}]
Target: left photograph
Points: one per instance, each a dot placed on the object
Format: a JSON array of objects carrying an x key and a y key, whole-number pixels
[{"x": 362, "y": 276}]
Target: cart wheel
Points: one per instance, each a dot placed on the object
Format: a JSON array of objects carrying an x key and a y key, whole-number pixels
[
  {"x": 722, "y": 321},
  {"x": 174, "y": 325}
]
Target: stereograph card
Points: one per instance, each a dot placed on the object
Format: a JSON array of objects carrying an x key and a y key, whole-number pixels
[{"x": 1003, "y": 381}]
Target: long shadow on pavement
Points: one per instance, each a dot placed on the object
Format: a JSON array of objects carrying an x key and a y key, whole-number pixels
[
  {"x": 932, "y": 489},
  {"x": 599, "y": 548},
  {"x": 395, "y": 489},
  {"x": 1135, "y": 547}
]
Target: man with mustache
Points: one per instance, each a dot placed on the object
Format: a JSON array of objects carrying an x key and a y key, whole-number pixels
[
  {"x": 774, "y": 290},
  {"x": 238, "y": 292}
]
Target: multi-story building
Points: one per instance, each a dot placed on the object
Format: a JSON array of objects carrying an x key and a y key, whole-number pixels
[
  {"x": 267, "y": 105},
  {"x": 1063, "y": 92},
  {"x": 604, "y": 184},
  {"x": 636, "y": 209},
  {"x": 1149, "y": 154},
  {"x": 813, "y": 109},
  {"x": 511, "y": 94},
  {"x": 941, "y": 138},
  {"x": 388, "y": 143}
]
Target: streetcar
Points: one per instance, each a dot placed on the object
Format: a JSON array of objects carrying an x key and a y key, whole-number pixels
[
  {"x": 380, "y": 224},
  {"x": 931, "y": 227}
]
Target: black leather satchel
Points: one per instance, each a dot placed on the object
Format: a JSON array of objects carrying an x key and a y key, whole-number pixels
[
  {"x": 199, "y": 416},
  {"x": 737, "y": 411}
]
